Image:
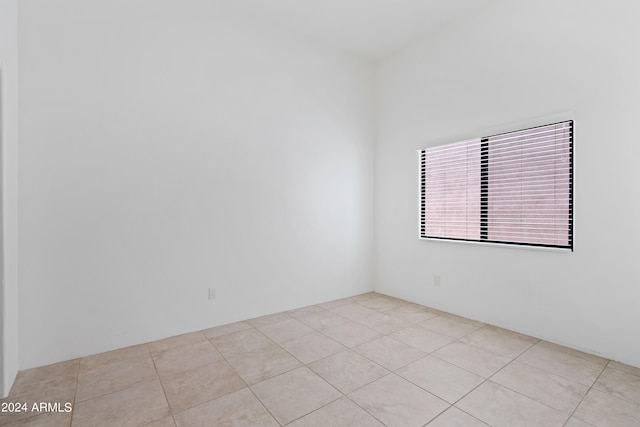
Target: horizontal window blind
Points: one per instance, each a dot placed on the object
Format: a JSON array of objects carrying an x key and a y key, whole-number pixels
[
  {"x": 451, "y": 190},
  {"x": 514, "y": 188}
]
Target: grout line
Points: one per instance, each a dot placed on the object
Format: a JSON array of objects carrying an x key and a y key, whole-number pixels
[
  {"x": 282, "y": 348},
  {"x": 243, "y": 380},
  {"x": 457, "y": 366},
  {"x": 484, "y": 380},
  {"x": 127, "y": 387},
  {"x": 440, "y": 413},
  {"x": 472, "y": 416},
  {"x": 550, "y": 373},
  {"x": 162, "y": 385},
  {"x": 588, "y": 391},
  {"x": 358, "y": 405},
  {"x": 622, "y": 371},
  {"x": 514, "y": 359},
  {"x": 24, "y": 397},
  {"x": 263, "y": 405},
  {"x": 124, "y": 389},
  {"x": 564, "y": 376},
  {"x": 75, "y": 393},
  {"x": 367, "y": 412},
  {"x": 633, "y": 402},
  {"x": 321, "y": 407}
]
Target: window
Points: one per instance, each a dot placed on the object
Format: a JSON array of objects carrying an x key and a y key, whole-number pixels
[{"x": 512, "y": 188}]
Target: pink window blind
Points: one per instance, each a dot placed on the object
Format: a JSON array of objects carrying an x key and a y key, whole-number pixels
[{"x": 511, "y": 188}]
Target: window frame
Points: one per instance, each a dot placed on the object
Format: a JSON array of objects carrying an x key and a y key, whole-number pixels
[{"x": 483, "y": 239}]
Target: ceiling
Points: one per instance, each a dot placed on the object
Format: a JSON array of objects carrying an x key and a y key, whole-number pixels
[{"x": 371, "y": 29}]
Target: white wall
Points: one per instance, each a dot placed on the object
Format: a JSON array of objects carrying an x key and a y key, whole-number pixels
[
  {"x": 513, "y": 65},
  {"x": 9, "y": 204},
  {"x": 167, "y": 147}
]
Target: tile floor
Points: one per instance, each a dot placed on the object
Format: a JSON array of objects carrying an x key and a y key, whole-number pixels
[{"x": 369, "y": 360}]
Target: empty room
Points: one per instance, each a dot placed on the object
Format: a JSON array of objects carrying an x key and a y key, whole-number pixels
[{"x": 320, "y": 213}]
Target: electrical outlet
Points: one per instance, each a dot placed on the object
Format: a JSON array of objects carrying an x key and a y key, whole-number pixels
[
  {"x": 436, "y": 280},
  {"x": 212, "y": 293}
]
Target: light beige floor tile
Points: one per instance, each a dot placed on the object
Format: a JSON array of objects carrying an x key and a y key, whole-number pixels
[
  {"x": 240, "y": 342},
  {"x": 441, "y": 378},
  {"x": 564, "y": 364},
  {"x": 114, "y": 356},
  {"x": 454, "y": 417},
  {"x": 226, "y": 329},
  {"x": 116, "y": 376},
  {"x": 552, "y": 390},
  {"x": 361, "y": 297},
  {"x": 381, "y": 303},
  {"x": 471, "y": 358},
  {"x": 348, "y": 371},
  {"x": 133, "y": 406},
  {"x": 413, "y": 307},
  {"x": 238, "y": 409},
  {"x": 624, "y": 368},
  {"x": 121, "y": 387},
  {"x": 421, "y": 338},
  {"x": 262, "y": 363},
  {"x": 604, "y": 410},
  {"x": 320, "y": 321},
  {"x": 619, "y": 384},
  {"x": 397, "y": 402},
  {"x": 413, "y": 313},
  {"x": 499, "y": 341},
  {"x": 285, "y": 330},
  {"x": 450, "y": 325},
  {"x": 574, "y": 422},
  {"x": 575, "y": 353},
  {"x": 15, "y": 418},
  {"x": 51, "y": 381},
  {"x": 189, "y": 356},
  {"x": 389, "y": 297},
  {"x": 159, "y": 346},
  {"x": 501, "y": 407},
  {"x": 341, "y": 413},
  {"x": 389, "y": 353},
  {"x": 195, "y": 386},
  {"x": 269, "y": 319},
  {"x": 331, "y": 305},
  {"x": 354, "y": 311},
  {"x": 164, "y": 422},
  {"x": 351, "y": 334},
  {"x": 44, "y": 420},
  {"x": 312, "y": 347},
  {"x": 463, "y": 319},
  {"x": 383, "y": 323},
  {"x": 305, "y": 311},
  {"x": 283, "y": 398},
  {"x": 20, "y": 410}
]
